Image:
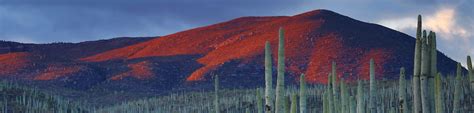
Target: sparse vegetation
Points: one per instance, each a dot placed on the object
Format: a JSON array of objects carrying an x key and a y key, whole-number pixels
[
  {"x": 20, "y": 99},
  {"x": 428, "y": 92}
]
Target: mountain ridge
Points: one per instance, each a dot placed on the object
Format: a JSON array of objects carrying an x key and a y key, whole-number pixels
[{"x": 233, "y": 49}]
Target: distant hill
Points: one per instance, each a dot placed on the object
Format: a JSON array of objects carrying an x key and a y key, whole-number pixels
[{"x": 232, "y": 49}]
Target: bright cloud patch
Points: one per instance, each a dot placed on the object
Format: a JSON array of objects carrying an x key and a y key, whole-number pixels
[
  {"x": 454, "y": 38},
  {"x": 442, "y": 22}
]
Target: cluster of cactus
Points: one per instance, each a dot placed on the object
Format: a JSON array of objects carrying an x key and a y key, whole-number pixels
[
  {"x": 425, "y": 70},
  {"x": 428, "y": 94},
  {"x": 15, "y": 98},
  {"x": 239, "y": 100},
  {"x": 281, "y": 100},
  {"x": 339, "y": 99},
  {"x": 429, "y": 91}
]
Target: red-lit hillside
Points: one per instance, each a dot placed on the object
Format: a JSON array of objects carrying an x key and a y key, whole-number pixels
[
  {"x": 232, "y": 49},
  {"x": 13, "y": 62},
  {"x": 313, "y": 40}
]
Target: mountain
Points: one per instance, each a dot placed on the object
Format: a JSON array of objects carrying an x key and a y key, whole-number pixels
[{"x": 233, "y": 49}]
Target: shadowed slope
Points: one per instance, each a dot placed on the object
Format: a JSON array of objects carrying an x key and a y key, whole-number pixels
[
  {"x": 141, "y": 70},
  {"x": 54, "y": 71},
  {"x": 53, "y": 61}
]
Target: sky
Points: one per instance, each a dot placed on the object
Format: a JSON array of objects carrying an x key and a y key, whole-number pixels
[{"x": 46, "y": 21}]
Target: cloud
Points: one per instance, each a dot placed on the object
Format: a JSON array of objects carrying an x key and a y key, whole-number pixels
[
  {"x": 451, "y": 23},
  {"x": 444, "y": 21}
]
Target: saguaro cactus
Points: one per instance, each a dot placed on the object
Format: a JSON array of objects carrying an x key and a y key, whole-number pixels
[
  {"x": 471, "y": 73},
  {"x": 344, "y": 101},
  {"x": 457, "y": 91},
  {"x": 353, "y": 108},
  {"x": 259, "y": 101},
  {"x": 471, "y": 78},
  {"x": 360, "y": 98},
  {"x": 433, "y": 69},
  {"x": 439, "y": 94},
  {"x": 287, "y": 104},
  {"x": 325, "y": 102},
  {"x": 425, "y": 73},
  {"x": 268, "y": 79},
  {"x": 372, "y": 98},
  {"x": 428, "y": 71},
  {"x": 417, "y": 70},
  {"x": 280, "y": 88},
  {"x": 402, "y": 92},
  {"x": 216, "y": 93},
  {"x": 302, "y": 94},
  {"x": 293, "y": 103},
  {"x": 331, "y": 108},
  {"x": 335, "y": 89}
]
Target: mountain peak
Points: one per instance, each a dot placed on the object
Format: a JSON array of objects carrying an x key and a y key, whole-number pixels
[
  {"x": 235, "y": 50},
  {"x": 320, "y": 13}
]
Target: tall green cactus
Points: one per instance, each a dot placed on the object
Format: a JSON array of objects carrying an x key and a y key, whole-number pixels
[
  {"x": 335, "y": 89},
  {"x": 417, "y": 69},
  {"x": 302, "y": 94},
  {"x": 293, "y": 103},
  {"x": 402, "y": 95},
  {"x": 471, "y": 73},
  {"x": 439, "y": 94},
  {"x": 268, "y": 79},
  {"x": 287, "y": 104},
  {"x": 425, "y": 73},
  {"x": 433, "y": 69},
  {"x": 353, "y": 108},
  {"x": 372, "y": 97},
  {"x": 280, "y": 88},
  {"x": 259, "y": 102},
  {"x": 344, "y": 97},
  {"x": 331, "y": 108},
  {"x": 457, "y": 91},
  {"x": 360, "y": 98},
  {"x": 471, "y": 79},
  {"x": 325, "y": 102},
  {"x": 216, "y": 93}
]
